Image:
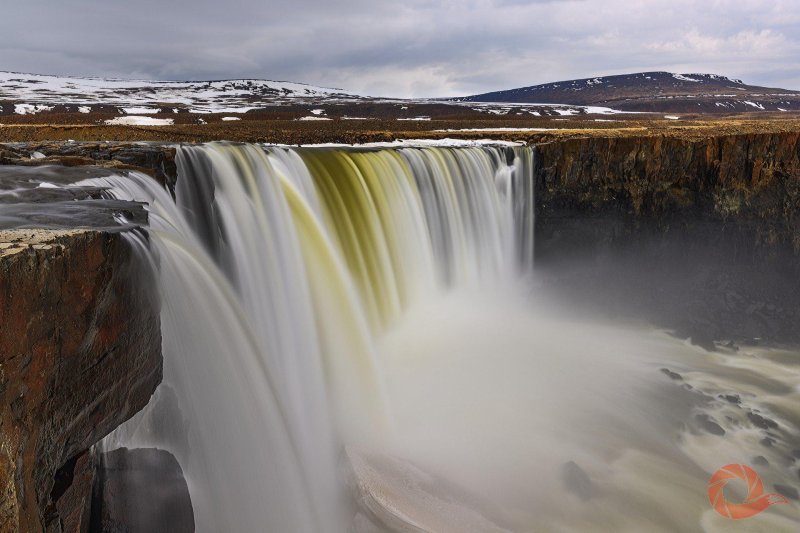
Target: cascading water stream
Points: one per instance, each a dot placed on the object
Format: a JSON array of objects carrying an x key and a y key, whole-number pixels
[
  {"x": 279, "y": 269},
  {"x": 351, "y": 322}
]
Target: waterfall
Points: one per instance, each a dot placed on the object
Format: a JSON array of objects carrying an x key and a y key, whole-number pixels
[{"x": 279, "y": 268}]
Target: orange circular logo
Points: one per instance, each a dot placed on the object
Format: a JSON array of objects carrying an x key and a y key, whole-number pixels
[{"x": 755, "y": 502}]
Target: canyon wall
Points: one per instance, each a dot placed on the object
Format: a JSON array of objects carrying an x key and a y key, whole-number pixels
[
  {"x": 696, "y": 234},
  {"x": 624, "y": 185}
]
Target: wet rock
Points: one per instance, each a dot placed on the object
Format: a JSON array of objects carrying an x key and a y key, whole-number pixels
[
  {"x": 767, "y": 442},
  {"x": 72, "y": 494},
  {"x": 731, "y": 398},
  {"x": 577, "y": 481},
  {"x": 154, "y": 159},
  {"x": 8, "y": 157},
  {"x": 760, "y": 460},
  {"x": 761, "y": 421},
  {"x": 69, "y": 160},
  {"x": 704, "y": 340},
  {"x": 141, "y": 491},
  {"x": 732, "y": 346},
  {"x": 709, "y": 424},
  {"x": 786, "y": 490},
  {"x": 80, "y": 353},
  {"x": 396, "y": 495},
  {"x": 672, "y": 375}
]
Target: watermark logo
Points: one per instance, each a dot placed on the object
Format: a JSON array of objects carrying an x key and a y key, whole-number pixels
[{"x": 755, "y": 502}]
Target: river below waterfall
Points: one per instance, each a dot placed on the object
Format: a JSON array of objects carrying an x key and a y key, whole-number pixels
[{"x": 563, "y": 424}]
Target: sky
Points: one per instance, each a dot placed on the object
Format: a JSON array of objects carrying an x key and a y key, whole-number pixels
[{"x": 403, "y": 48}]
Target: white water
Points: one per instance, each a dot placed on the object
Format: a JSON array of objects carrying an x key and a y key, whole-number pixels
[
  {"x": 321, "y": 298},
  {"x": 495, "y": 394},
  {"x": 275, "y": 284}
]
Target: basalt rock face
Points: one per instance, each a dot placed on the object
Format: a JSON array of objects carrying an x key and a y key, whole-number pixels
[
  {"x": 80, "y": 353},
  {"x": 141, "y": 491},
  {"x": 703, "y": 232},
  {"x": 748, "y": 181}
]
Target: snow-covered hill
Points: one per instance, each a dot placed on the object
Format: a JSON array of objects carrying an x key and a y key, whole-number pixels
[
  {"x": 654, "y": 91},
  {"x": 31, "y": 93},
  {"x": 135, "y": 100}
]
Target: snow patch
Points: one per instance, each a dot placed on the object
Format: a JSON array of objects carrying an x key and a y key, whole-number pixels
[
  {"x": 312, "y": 117},
  {"x": 754, "y": 104},
  {"x": 140, "y": 110},
  {"x": 84, "y": 109},
  {"x": 133, "y": 120},
  {"x": 31, "y": 109},
  {"x": 228, "y": 119}
]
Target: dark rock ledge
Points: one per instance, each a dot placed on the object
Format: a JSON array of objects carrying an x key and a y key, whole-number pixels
[
  {"x": 80, "y": 353},
  {"x": 155, "y": 159},
  {"x": 80, "y": 341}
]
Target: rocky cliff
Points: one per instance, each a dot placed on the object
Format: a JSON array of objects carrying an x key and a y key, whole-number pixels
[
  {"x": 704, "y": 231},
  {"x": 750, "y": 182},
  {"x": 80, "y": 352}
]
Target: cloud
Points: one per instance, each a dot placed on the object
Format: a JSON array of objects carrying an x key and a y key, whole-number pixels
[{"x": 411, "y": 48}]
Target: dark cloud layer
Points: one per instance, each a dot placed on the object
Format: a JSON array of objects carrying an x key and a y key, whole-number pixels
[{"x": 409, "y": 48}]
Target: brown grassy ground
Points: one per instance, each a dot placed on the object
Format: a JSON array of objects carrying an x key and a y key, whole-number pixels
[{"x": 283, "y": 128}]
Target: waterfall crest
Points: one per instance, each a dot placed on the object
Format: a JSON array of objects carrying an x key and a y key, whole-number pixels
[{"x": 279, "y": 267}]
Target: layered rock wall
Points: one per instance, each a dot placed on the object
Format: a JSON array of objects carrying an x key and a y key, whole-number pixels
[
  {"x": 80, "y": 353},
  {"x": 749, "y": 184},
  {"x": 696, "y": 234}
]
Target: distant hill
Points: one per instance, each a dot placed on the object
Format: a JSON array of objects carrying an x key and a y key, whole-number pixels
[
  {"x": 35, "y": 93},
  {"x": 653, "y": 91},
  {"x": 24, "y": 95},
  {"x": 34, "y": 97}
]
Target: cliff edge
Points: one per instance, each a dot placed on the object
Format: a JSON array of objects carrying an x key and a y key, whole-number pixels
[{"x": 80, "y": 353}]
